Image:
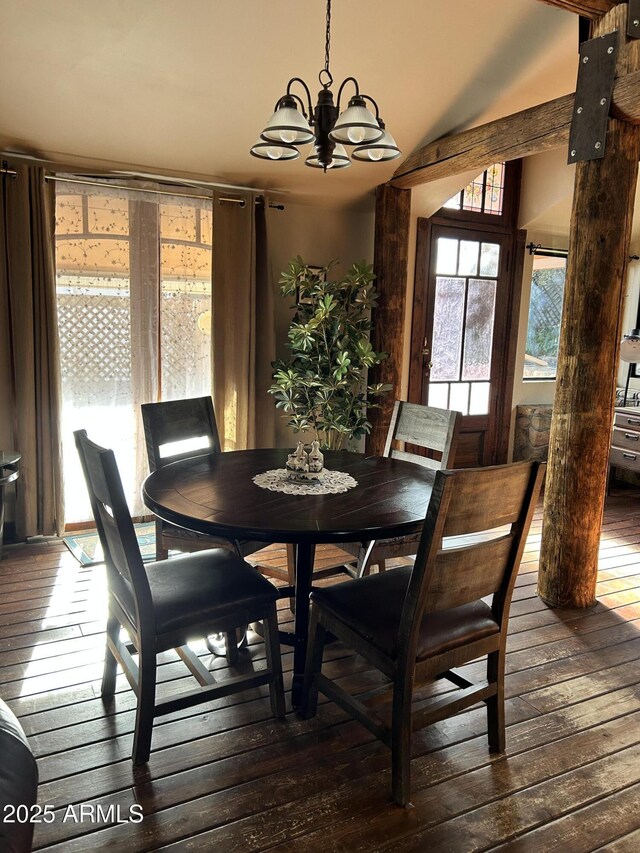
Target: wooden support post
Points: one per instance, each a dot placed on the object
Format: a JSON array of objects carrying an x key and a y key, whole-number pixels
[
  {"x": 391, "y": 259},
  {"x": 585, "y": 389}
]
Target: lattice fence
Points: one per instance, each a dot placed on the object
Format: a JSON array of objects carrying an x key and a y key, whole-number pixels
[
  {"x": 96, "y": 353},
  {"x": 95, "y": 348}
]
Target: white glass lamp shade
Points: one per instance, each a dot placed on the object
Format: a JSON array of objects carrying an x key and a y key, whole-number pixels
[
  {"x": 630, "y": 347},
  {"x": 274, "y": 150},
  {"x": 356, "y": 125},
  {"x": 287, "y": 125},
  {"x": 339, "y": 159},
  {"x": 377, "y": 152}
]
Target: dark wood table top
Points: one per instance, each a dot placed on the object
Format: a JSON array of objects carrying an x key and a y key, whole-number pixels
[{"x": 216, "y": 493}]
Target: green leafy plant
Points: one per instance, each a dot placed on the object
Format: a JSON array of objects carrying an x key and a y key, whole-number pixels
[{"x": 322, "y": 386}]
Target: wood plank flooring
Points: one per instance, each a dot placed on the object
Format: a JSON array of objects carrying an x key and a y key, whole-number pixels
[{"x": 227, "y": 777}]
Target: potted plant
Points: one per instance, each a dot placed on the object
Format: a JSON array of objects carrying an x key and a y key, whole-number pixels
[{"x": 322, "y": 387}]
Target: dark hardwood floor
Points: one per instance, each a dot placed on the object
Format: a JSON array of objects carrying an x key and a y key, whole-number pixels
[{"x": 228, "y": 777}]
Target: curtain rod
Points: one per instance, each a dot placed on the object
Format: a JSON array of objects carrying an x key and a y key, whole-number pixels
[
  {"x": 546, "y": 251},
  {"x": 88, "y": 182},
  {"x": 4, "y": 169}
]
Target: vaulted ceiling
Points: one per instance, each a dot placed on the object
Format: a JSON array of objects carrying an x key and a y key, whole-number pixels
[{"x": 184, "y": 88}]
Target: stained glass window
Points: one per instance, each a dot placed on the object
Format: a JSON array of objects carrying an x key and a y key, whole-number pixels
[{"x": 485, "y": 193}]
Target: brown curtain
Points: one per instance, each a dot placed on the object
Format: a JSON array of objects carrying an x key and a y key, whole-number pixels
[
  {"x": 27, "y": 282},
  {"x": 243, "y": 338}
]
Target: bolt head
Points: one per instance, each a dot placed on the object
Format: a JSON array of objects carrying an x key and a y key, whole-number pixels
[
  {"x": 636, "y": 22},
  {"x": 598, "y": 145},
  {"x": 585, "y": 59},
  {"x": 603, "y": 101},
  {"x": 573, "y": 152},
  {"x": 609, "y": 50},
  {"x": 579, "y": 110}
]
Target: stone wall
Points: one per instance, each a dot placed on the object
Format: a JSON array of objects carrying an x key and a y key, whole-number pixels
[{"x": 533, "y": 423}]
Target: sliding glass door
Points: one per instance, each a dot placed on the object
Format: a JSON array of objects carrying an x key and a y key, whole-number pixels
[{"x": 134, "y": 315}]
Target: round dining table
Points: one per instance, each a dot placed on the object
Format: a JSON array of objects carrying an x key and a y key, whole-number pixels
[{"x": 215, "y": 494}]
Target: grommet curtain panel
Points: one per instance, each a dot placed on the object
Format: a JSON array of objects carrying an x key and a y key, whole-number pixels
[
  {"x": 30, "y": 352},
  {"x": 243, "y": 339}
]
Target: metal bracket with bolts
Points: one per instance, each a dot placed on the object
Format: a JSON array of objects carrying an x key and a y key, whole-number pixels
[{"x": 596, "y": 74}]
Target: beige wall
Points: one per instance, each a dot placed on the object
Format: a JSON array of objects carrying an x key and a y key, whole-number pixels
[{"x": 318, "y": 235}]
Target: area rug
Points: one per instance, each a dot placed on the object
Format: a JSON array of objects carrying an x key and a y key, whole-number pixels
[{"x": 86, "y": 547}]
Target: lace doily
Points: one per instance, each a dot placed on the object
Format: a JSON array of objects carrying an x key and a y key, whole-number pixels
[{"x": 332, "y": 483}]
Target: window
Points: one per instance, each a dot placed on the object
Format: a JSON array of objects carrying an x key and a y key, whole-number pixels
[
  {"x": 133, "y": 276},
  {"x": 485, "y": 194},
  {"x": 545, "y": 316}
]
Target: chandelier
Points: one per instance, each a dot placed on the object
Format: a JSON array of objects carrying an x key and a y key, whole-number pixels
[{"x": 295, "y": 123}]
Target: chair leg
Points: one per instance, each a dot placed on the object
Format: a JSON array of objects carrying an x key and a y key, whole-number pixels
[
  {"x": 231, "y": 644},
  {"x": 291, "y": 564},
  {"x": 401, "y": 742},
  {"x": 274, "y": 661},
  {"x": 161, "y": 552},
  {"x": 363, "y": 564},
  {"x": 313, "y": 665},
  {"x": 292, "y": 555},
  {"x": 146, "y": 706},
  {"x": 495, "y": 704},
  {"x": 110, "y": 663}
]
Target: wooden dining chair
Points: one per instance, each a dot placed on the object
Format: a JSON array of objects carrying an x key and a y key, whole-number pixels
[
  {"x": 181, "y": 429},
  {"x": 435, "y": 430},
  {"x": 163, "y": 605},
  {"x": 416, "y": 623}
]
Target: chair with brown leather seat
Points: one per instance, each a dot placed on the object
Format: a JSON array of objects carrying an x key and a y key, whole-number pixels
[
  {"x": 163, "y": 605},
  {"x": 434, "y": 430},
  {"x": 416, "y": 623}
]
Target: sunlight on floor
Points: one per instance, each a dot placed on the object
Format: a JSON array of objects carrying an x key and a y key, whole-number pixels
[{"x": 75, "y": 590}]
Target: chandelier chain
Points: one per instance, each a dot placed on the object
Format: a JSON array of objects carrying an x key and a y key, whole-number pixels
[{"x": 327, "y": 47}]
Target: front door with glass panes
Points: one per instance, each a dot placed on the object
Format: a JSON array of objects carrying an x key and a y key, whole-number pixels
[{"x": 464, "y": 336}]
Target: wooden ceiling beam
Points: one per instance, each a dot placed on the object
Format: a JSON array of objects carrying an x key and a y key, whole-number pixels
[
  {"x": 519, "y": 135},
  {"x": 587, "y": 8},
  {"x": 527, "y": 132}
]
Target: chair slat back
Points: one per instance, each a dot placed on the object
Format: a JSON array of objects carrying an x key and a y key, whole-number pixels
[
  {"x": 113, "y": 520},
  {"x": 486, "y": 498},
  {"x": 189, "y": 425},
  {"x": 465, "y": 574},
  {"x": 425, "y": 426},
  {"x": 464, "y": 502}
]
